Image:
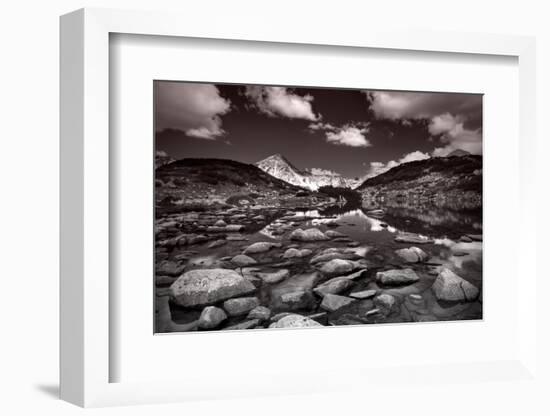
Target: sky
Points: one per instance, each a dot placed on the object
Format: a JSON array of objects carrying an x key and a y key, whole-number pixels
[{"x": 356, "y": 133}]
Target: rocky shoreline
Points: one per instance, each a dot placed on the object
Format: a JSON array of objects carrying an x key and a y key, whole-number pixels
[{"x": 254, "y": 267}]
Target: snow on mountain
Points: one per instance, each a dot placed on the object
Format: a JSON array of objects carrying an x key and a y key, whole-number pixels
[{"x": 279, "y": 167}]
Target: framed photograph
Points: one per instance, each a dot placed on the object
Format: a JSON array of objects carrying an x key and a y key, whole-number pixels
[
  {"x": 277, "y": 207},
  {"x": 315, "y": 193}
]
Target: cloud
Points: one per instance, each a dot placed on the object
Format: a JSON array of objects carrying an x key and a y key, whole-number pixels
[
  {"x": 192, "y": 108},
  {"x": 423, "y": 105},
  {"x": 447, "y": 115},
  {"x": 352, "y": 135},
  {"x": 376, "y": 168},
  {"x": 454, "y": 135},
  {"x": 349, "y": 136},
  {"x": 281, "y": 102}
]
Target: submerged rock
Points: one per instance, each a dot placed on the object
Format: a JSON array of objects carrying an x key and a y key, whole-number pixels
[
  {"x": 363, "y": 294},
  {"x": 207, "y": 286},
  {"x": 260, "y": 312},
  {"x": 311, "y": 234},
  {"x": 397, "y": 277},
  {"x": 296, "y": 253},
  {"x": 169, "y": 268},
  {"x": 451, "y": 287},
  {"x": 413, "y": 239},
  {"x": 333, "y": 302},
  {"x": 260, "y": 247},
  {"x": 295, "y": 321},
  {"x": 412, "y": 254},
  {"x": 292, "y": 301},
  {"x": 273, "y": 277},
  {"x": 334, "y": 286},
  {"x": 385, "y": 302},
  {"x": 240, "y": 306},
  {"x": 243, "y": 260},
  {"x": 211, "y": 317},
  {"x": 334, "y": 234},
  {"x": 338, "y": 267},
  {"x": 217, "y": 243}
]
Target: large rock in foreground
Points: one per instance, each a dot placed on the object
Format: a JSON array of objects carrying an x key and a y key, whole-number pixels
[
  {"x": 451, "y": 287},
  {"x": 312, "y": 234},
  {"x": 211, "y": 317},
  {"x": 208, "y": 286},
  {"x": 295, "y": 321},
  {"x": 333, "y": 302},
  {"x": 397, "y": 277},
  {"x": 240, "y": 306}
]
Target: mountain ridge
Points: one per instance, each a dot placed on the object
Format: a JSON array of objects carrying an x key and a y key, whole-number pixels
[{"x": 280, "y": 167}]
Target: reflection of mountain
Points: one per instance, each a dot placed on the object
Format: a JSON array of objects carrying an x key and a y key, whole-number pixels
[
  {"x": 434, "y": 221},
  {"x": 444, "y": 181},
  {"x": 278, "y": 166}
]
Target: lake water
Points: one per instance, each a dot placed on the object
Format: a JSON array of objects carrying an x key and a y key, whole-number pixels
[{"x": 445, "y": 229}]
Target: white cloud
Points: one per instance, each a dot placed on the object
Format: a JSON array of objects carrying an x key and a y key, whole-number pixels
[
  {"x": 376, "y": 168},
  {"x": 349, "y": 136},
  {"x": 280, "y": 101},
  {"x": 192, "y": 108},
  {"x": 401, "y": 106},
  {"x": 454, "y": 135}
]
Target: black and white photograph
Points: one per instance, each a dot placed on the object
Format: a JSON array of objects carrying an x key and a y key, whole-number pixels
[{"x": 297, "y": 207}]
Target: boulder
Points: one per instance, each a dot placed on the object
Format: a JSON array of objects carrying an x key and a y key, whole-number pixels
[
  {"x": 449, "y": 286},
  {"x": 292, "y": 301},
  {"x": 337, "y": 267},
  {"x": 259, "y": 312},
  {"x": 385, "y": 302},
  {"x": 397, "y": 277},
  {"x": 413, "y": 239},
  {"x": 295, "y": 321},
  {"x": 207, "y": 286},
  {"x": 260, "y": 247},
  {"x": 243, "y": 260},
  {"x": 240, "y": 306},
  {"x": 273, "y": 277},
  {"x": 311, "y": 234},
  {"x": 363, "y": 294},
  {"x": 296, "y": 253},
  {"x": 355, "y": 275},
  {"x": 412, "y": 254},
  {"x": 220, "y": 223},
  {"x": 327, "y": 256},
  {"x": 334, "y": 234},
  {"x": 333, "y": 286},
  {"x": 333, "y": 302},
  {"x": 211, "y": 317}
]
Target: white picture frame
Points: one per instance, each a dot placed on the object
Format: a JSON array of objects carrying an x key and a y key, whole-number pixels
[{"x": 85, "y": 204}]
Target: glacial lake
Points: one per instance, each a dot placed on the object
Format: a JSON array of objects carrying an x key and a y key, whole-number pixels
[{"x": 374, "y": 234}]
